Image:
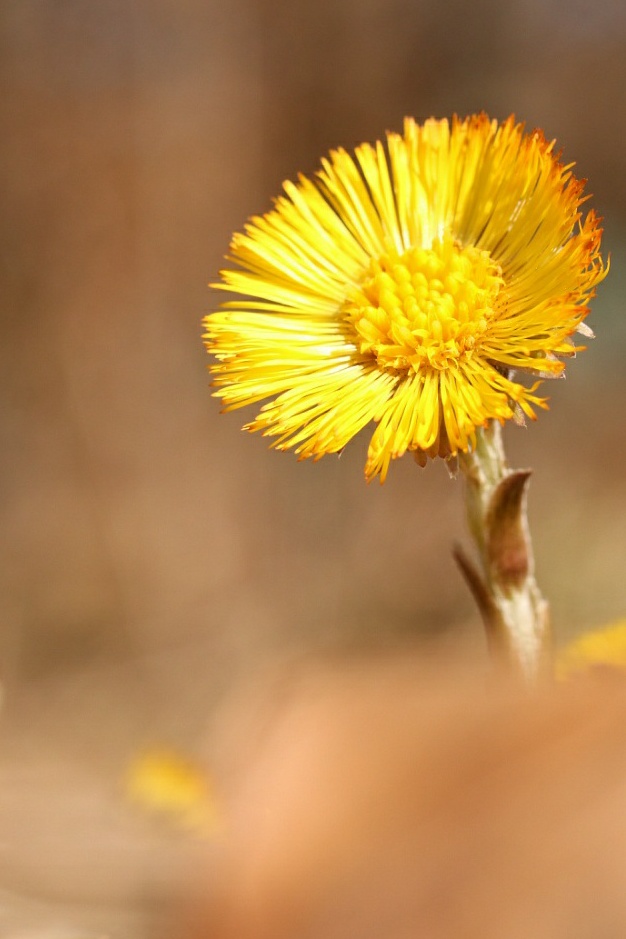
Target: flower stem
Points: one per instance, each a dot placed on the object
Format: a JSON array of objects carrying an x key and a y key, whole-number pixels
[{"x": 513, "y": 610}]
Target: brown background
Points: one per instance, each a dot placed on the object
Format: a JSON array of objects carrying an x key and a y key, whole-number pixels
[{"x": 151, "y": 553}]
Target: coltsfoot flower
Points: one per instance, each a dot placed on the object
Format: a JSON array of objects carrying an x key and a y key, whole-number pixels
[
  {"x": 406, "y": 286},
  {"x": 604, "y": 648},
  {"x": 169, "y": 784}
]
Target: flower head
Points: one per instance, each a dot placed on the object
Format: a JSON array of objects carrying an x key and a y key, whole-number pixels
[
  {"x": 600, "y": 648},
  {"x": 405, "y": 285}
]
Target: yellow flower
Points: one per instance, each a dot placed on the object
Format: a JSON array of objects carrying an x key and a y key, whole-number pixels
[
  {"x": 405, "y": 286},
  {"x": 601, "y": 647},
  {"x": 166, "y": 783}
]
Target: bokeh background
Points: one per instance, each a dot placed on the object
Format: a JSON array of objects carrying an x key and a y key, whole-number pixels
[{"x": 152, "y": 555}]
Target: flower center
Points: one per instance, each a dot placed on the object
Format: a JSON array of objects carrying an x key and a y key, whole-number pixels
[{"x": 428, "y": 306}]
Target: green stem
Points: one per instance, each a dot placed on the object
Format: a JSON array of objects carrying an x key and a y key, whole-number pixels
[{"x": 514, "y": 612}]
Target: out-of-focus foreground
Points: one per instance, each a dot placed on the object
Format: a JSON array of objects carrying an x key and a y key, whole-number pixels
[
  {"x": 152, "y": 554},
  {"x": 386, "y": 801}
]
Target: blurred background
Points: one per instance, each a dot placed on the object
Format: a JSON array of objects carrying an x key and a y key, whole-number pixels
[{"x": 152, "y": 555}]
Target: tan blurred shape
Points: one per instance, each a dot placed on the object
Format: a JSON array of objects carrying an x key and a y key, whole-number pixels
[{"x": 385, "y": 801}]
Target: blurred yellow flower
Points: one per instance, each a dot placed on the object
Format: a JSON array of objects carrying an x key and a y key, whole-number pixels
[
  {"x": 165, "y": 783},
  {"x": 601, "y": 647},
  {"x": 403, "y": 286}
]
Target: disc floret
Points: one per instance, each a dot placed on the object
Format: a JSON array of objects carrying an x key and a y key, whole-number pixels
[{"x": 425, "y": 308}]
